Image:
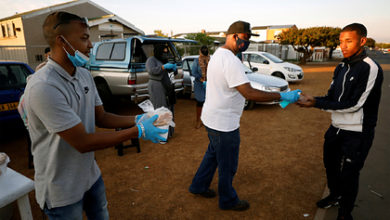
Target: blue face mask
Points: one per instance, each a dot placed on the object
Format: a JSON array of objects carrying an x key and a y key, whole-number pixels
[
  {"x": 79, "y": 59},
  {"x": 242, "y": 44}
]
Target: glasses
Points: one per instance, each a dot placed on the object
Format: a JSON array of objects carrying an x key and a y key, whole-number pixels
[{"x": 83, "y": 20}]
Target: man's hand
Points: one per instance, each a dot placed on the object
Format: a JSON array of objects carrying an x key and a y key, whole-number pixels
[
  {"x": 291, "y": 96},
  {"x": 306, "y": 100},
  {"x": 148, "y": 131}
]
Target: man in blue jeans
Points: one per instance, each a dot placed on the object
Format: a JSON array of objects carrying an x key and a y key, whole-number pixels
[
  {"x": 63, "y": 108},
  {"x": 227, "y": 89}
]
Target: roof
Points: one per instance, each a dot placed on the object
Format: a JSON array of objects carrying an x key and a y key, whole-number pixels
[
  {"x": 273, "y": 27},
  {"x": 113, "y": 18},
  {"x": 61, "y": 6}
]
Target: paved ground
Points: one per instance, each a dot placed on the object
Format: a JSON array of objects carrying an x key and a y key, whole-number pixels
[{"x": 373, "y": 201}]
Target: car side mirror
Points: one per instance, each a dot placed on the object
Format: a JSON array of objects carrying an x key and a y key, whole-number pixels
[
  {"x": 255, "y": 69},
  {"x": 266, "y": 62}
]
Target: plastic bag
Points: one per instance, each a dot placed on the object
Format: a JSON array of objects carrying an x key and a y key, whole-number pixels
[{"x": 165, "y": 116}]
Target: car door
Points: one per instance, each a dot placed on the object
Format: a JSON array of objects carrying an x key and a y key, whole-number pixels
[{"x": 261, "y": 63}]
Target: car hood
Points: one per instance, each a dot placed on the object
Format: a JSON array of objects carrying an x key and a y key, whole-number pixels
[
  {"x": 267, "y": 80},
  {"x": 291, "y": 65}
]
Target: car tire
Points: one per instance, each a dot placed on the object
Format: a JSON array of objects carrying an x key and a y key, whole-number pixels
[
  {"x": 249, "y": 104},
  {"x": 279, "y": 74},
  {"x": 104, "y": 93}
]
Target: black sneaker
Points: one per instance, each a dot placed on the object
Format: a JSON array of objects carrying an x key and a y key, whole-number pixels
[
  {"x": 207, "y": 194},
  {"x": 328, "y": 202},
  {"x": 242, "y": 205}
]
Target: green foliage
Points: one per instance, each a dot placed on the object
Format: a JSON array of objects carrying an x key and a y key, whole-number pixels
[
  {"x": 202, "y": 38},
  {"x": 304, "y": 40},
  {"x": 160, "y": 33},
  {"x": 382, "y": 45},
  {"x": 370, "y": 42}
]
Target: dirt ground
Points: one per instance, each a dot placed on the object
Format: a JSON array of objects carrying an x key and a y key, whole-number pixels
[{"x": 280, "y": 167}]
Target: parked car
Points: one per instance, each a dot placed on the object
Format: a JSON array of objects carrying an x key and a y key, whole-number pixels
[
  {"x": 13, "y": 76},
  {"x": 269, "y": 64},
  {"x": 118, "y": 66},
  {"x": 258, "y": 81}
]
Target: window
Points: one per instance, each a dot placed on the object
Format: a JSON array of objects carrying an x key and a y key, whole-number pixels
[
  {"x": 257, "y": 58},
  {"x": 3, "y": 31},
  {"x": 118, "y": 52},
  {"x": 13, "y": 76},
  {"x": 111, "y": 51},
  {"x": 14, "y": 29},
  {"x": 9, "y": 31},
  {"x": 104, "y": 51}
]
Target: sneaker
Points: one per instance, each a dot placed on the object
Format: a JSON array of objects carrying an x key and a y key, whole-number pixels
[
  {"x": 207, "y": 194},
  {"x": 328, "y": 202},
  {"x": 163, "y": 142},
  {"x": 242, "y": 205}
]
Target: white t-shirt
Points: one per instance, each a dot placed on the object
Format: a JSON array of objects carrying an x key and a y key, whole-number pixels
[{"x": 223, "y": 106}]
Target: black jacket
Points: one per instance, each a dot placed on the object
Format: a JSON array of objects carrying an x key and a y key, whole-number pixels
[{"x": 354, "y": 95}]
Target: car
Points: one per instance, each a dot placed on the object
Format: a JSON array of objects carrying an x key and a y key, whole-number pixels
[
  {"x": 118, "y": 66},
  {"x": 13, "y": 75},
  {"x": 269, "y": 64},
  {"x": 258, "y": 81}
]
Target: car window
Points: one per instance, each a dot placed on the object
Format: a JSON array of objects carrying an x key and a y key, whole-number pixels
[
  {"x": 13, "y": 76},
  {"x": 245, "y": 57},
  {"x": 104, "y": 51},
  {"x": 257, "y": 58},
  {"x": 273, "y": 58},
  {"x": 185, "y": 65},
  {"x": 118, "y": 53}
]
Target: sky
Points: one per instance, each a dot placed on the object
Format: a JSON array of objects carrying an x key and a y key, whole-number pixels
[{"x": 181, "y": 16}]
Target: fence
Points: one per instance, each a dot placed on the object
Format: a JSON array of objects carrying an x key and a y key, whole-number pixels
[
  {"x": 284, "y": 52},
  {"x": 32, "y": 55}
]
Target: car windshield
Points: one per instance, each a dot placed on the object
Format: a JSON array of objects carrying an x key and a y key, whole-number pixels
[
  {"x": 273, "y": 58},
  {"x": 13, "y": 76}
]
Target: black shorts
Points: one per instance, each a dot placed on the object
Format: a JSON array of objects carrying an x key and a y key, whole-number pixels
[{"x": 199, "y": 104}]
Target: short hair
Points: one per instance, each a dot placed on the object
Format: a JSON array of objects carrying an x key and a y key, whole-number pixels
[
  {"x": 360, "y": 29},
  {"x": 47, "y": 50},
  {"x": 55, "y": 24}
]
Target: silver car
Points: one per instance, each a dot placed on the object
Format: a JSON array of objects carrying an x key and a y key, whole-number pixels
[{"x": 258, "y": 81}]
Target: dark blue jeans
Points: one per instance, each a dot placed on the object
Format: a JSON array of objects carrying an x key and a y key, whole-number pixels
[
  {"x": 223, "y": 153},
  {"x": 94, "y": 203}
]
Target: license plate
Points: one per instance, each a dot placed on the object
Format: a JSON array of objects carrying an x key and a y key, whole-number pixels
[{"x": 8, "y": 106}]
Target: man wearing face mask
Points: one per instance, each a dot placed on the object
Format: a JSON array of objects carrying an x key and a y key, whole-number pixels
[
  {"x": 227, "y": 89},
  {"x": 63, "y": 107}
]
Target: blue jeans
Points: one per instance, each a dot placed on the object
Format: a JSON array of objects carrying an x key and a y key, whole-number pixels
[
  {"x": 223, "y": 153},
  {"x": 94, "y": 203}
]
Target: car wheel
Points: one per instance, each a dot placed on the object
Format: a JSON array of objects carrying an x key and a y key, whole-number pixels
[
  {"x": 249, "y": 104},
  {"x": 104, "y": 93},
  {"x": 279, "y": 74}
]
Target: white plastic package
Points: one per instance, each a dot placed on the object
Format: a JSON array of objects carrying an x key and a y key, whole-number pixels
[
  {"x": 165, "y": 117},
  {"x": 4, "y": 160}
]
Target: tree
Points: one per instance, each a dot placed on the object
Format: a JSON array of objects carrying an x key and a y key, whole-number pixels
[
  {"x": 370, "y": 42},
  {"x": 160, "y": 33},
  {"x": 304, "y": 40},
  {"x": 203, "y": 39},
  {"x": 331, "y": 38}
]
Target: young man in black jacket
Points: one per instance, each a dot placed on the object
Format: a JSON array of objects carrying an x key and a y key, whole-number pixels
[{"x": 353, "y": 99}]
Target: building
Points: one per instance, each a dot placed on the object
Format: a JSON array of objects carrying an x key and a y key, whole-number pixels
[
  {"x": 21, "y": 36},
  {"x": 269, "y": 34}
]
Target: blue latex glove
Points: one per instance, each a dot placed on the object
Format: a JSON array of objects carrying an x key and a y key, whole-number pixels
[
  {"x": 138, "y": 117},
  {"x": 291, "y": 96},
  {"x": 169, "y": 66},
  {"x": 149, "y": 131},
  {"x": 204, "y": 84}
]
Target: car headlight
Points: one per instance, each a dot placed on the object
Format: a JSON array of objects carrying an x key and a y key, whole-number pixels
[
  {"x": 262, "y": 87},
  {"x": 292, "y": 76},
  {"x": 293, "y": 70}
]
